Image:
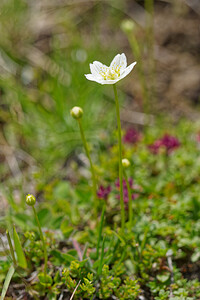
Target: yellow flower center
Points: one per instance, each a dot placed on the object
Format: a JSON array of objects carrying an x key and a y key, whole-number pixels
[{"x": 111, "y": 73}]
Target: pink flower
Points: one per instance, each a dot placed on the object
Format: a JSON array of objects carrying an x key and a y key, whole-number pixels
[
  {"x": 154, "y": 148},
  {"x": 131, "y": 136},
  {"x": 168, "y": 142},
  {"x": 103, "y": 192}
]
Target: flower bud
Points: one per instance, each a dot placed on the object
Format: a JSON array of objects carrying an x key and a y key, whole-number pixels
[
  {"x": 127, "y": 26},
  {"x": 125, "y": 163},
  {"x": 30, "y": 200},
  {"x": 76, "y": 112}
]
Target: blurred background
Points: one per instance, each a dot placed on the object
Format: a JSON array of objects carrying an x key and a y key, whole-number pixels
[{"x": 45, "y": 50}]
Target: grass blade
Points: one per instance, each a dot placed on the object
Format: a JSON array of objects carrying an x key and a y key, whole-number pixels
[
  {"x": 21, "y": 259},
  {"x": 7, "y": 281}
]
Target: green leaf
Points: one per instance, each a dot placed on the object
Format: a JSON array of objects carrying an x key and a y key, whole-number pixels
[
  {"x": 21, "y": 259},
  {"x": 83, "y": 262},
  {"x": 45, "y": 280},
  {"x": 7, "y": 281},
  {"x": 68, "y": 257},
  {"x": 163, "y": 277}
]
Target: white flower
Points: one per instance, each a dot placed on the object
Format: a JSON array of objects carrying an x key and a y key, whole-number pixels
[{"x": 109, "y": 75}]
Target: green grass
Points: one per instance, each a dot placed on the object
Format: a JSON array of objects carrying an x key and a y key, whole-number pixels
[{"x": 165, "y": 217}]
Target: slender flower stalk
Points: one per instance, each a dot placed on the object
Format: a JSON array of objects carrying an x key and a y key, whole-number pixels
[
  {"x": 30, "y": 200},
  {"x": 120, "y": 159},
  {"x": 77, "y": 113},
  {"x": 126, "y": 164}
]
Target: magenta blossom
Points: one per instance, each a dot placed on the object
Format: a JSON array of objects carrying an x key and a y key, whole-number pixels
[
  {"x": 154, "y": 148},
  {"x": 168, "y": 142},
  {"x": 103, "y": 192},
  {"x": 125, "y": 190},
  {"x": 131, "y": 136}
]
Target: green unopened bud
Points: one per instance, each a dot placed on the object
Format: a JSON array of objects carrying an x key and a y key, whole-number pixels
[
  {"x": 76, "y": 112},
  {"x": 127, "y": 26},
  {"x": 30, "y": 200},
  {"x": 125, "y": 163}
]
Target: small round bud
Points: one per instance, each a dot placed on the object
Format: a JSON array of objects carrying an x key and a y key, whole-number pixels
[
  {"x": 30, "y": 200},
  {"x": 76, "y": 112},
  {"x": 125, "y": 163},
  {"x": 127, "y": 26}
]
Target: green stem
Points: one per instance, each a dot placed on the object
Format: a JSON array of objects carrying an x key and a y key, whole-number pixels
[
  {"x": 43, "y": 242},
  {"x": 120, "y": 159},
  {"x": 130, "y": 210},
  {"x": 94, "y": 182}
]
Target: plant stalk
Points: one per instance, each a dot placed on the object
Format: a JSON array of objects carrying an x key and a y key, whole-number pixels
[
  {"x": 130, "y": 211},
  {"x": 120, "y": 159}
]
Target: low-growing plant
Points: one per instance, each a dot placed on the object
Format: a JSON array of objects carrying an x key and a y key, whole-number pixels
[{"x": 134, "y": 235}]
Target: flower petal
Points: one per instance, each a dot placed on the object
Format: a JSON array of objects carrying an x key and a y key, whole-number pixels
[
  {"x": 123, "y": 62},
  {"x": 115, "y": 62},
  {"x": 95, "y": 78},
  {"x": 110, "y": 81},
  {"x": 91, "y": 77},
  {"x": 95, "y": 68},
  {"x": 120, "y": 61},
  {"x": 127, "y": 70}
]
